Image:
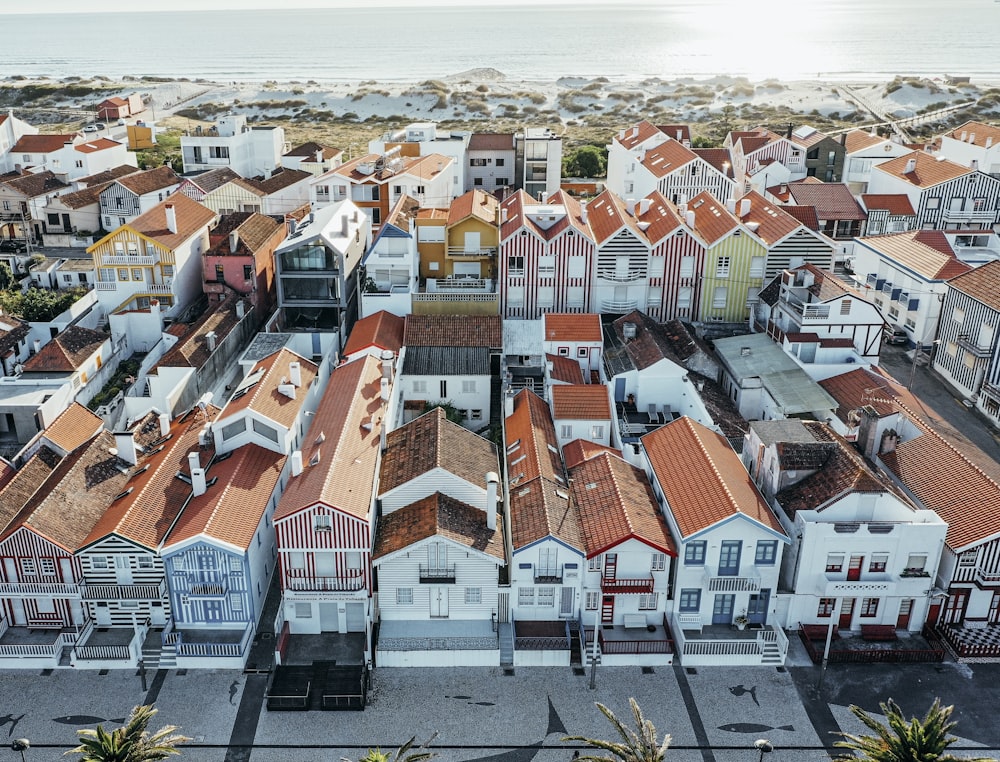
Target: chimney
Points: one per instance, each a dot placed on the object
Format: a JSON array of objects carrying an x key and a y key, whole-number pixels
[
  {"x": 492, "y": 485},
  {"x": 974, "y": 165},
  {"x": 508, "y": 403},
  {"x": 731, "y": 205},
  {"x": 319, "y": 160},
  {"x": 384, "y": 388},
  {"x": 295, "y": 373},
  {"x": 964, "y": 135},
  {"x": 345, "y": 223},
  {"x": 783, "y": 190},
  {"x": 911, "y": 164},
  {"x": 234, "y": 241},
  {"x": 989, "y": 142},
  {"x": 889, "y": 441},
  {"x": 296, "y": 462},
  {"x": 788, "y": 134},
  {"x": 972, "y": 137},
  {"x": 171, "y": 218},
  {"x": 744, "y": 207},
  {"x": 383, "y": 436},
  {"x": 689, "y": 219},
  {"x": 241, "y": 309},
  {"x": 387, "y": 358},
  {"x": 292, "y": 224},
  {"x": 630, "y": 206},
  {"x": 644, "y": 205},
  {"x": 210, "y": 340},
  {"x": 125, "y": 444},
  {"x": 843, "y": 139},
  {"x": 583, "y": 212},
  {"x": 503, "y": 215},
  {"x": 164, "y": 424},
  {"x": 680, "y": 134},
  {"x": 198, "y": 481}
]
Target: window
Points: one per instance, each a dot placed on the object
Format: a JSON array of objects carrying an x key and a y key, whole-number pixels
[
  {"x": 28, "y": 567},
  {"x": 757, "y": 267},
  {"x": 101, "y": 562},
  {"x": 404, "y": 596},
  {"x": 687, "y": 267},
  {"x": 594, "y": 564},
  {"x": 878, "y": 562},
  {"x": 591, "y": 601},
  {"x": 967, "y": 559},
  {"x": 47, "y": 566},
  {"x": 122, "y": 273},
  {"x": 658, "y": 562},
  {"x": 869, "y": 607},
  {"x": 268, "y": 432},
  {"x": 247, "y": 272},
  {"x": 767, "y": 551},
  {"x": 547, "y": 265},
  {"x": 303, "y": 611},
  {"x": 845, "y": 306},
  {"x": 444, "y": 388},
  {"x": 473, "y": 596},
  {"x": 476, "y": 415},
  {"x": 566, "y": 431},
  {"x": 376, "y": 216},
  {"x": 526, "y": 596},
  {"x": 477, "y": 162},
  {"x": 719, "y": 297},
  {"x": 236, "y": 602},
  {"x": 654, "y": 296},
  {"x": 722, "y": 268},
  {"x": 137, "y": 273},
  {"x": 547, "y": 596},
  {"x": 916, "y": 563},
  {"x": 499, "y": 162},
  {"x": 689, "y": 600},
  {"x": 825, "y": 609},
  {"x": 515, "y": 265},
  {"x": 468, "y": 387},
  {"x": 234, "y": 429},
  {"x": 933, "y": 203},
  {"x": 501, "y": 181},
  {"x": 694, "y": 553},
  {"x": 958, "y": 315},
  {"x": 145, "y": 562},
  {"x": 647, "y": 601},
  {"x": 515, "y": 295},
  {"x": 684, "y": 297},
  {"x": 477, "y": 181},
  {"x": 834, "y": 563},
  {"x": 321, "y": 523},
  {"x": 597, "y": 432}
]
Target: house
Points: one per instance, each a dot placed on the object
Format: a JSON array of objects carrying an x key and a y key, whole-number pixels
[
  {"x": 904, "y": 275},
  {"x": 248, "y": 151},
  {"x": 316, "y": 268},
  {"x": 818, "y": 319},
  {"x": 966, "y": 355},
  {"x": 13, "y": 344},
  {"x": 629, "y": 562},
  {"x": 114, "y": 108},
  {"x": 198, "y": 185},
  {"x": 155, "y": 256},
  {"x": 546, "y": 542},
  {"x": 471, "y": 238},
  {"x": 936, "y": 476},
  {"x": 278, "y": 192},
  {"x": 392, "y": 263},
  {"x": 439, "y": 546},
  {"x": 581, "y": 411},
  {"x": 11, "y": 130},
  {"x": 945, "y": 195},
  {"x": 863, "y": 552},
  {"x": 490, "y": 164},
  {"x": 128, "y": 197},
  {"x": 91, "y": 157},
  {"x": 621, "y": 279},
  {"x": 973, "y": 141},
  {"x": 754, "y": 151},
  {"x": 862, "y": 151},
  {"x": 325, "y": 521},
  {"x": 765, "y": 382},
  {"x": 423, "y": 139},
  {"x": 23, "y": 200},
  {"x": 789, "y": 242},
  {"x": 76, "y": 271},
  {"x": 888, "y": 213},
  {"x": 539, "y": 162},
  {"x": 645, "y": 158},
  {"x": 32, "y": 151},
  {"x": 220, "y": 554},
  {"x": 374, "y": 335},
  {"x": 72, "y": 213},
  {"x": 240, "y": 255},
  {"x": 547, "y": 256},
  {"x": 824, "y": 153},
  {"x": 577, "y": 337},
  {"x": 312, "y": 157},
  {"x": 729, "y": 547},
  {"x": 840, "y": 216}
]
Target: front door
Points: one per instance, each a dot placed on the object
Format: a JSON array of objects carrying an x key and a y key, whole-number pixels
[
  {"x": 903, "y": 620},
  {"x": 954, "y": 610},
  {"x": 854, "y": 568},
  {"x": 722, "y": 609},
  {"x": 157, "y": 616},
  {"x": 213, "y": 611},
  {"x": 619, "y": 390},
  {"x": 328, "y": 621},
  {"x": 566, "y": 600},
  {"x": 846, "y": 614},
  {"x": 103, "y": 615},
  {"x": 123, "y": 570},
  {"x": 757, "y": 607},
  {"x": 439, "y": 602},
  {"x": 607, "y": 609},
  {"x": 729, "y": 558}
]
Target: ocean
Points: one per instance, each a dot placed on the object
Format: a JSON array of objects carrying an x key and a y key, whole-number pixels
[{"x": 759, "y": 39}]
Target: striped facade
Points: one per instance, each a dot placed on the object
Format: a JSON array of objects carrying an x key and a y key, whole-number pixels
[
  {"x": 210, "y": 586},
  {"x": 974, "y": 585},
  {"x": 119, "y": 206},
  {"x": 967, "y": 355},
  {"x": 39, "y": 582},
  {"x": 537, "y": 276},
  {"x": 800, "y": 248},
  {"x": 337, "y": 559},
  {"x": 726, "y": 289},
  {"x": 676, "y": 264},
  {"x": 693, "y": 178},
  {"x": 970, "y": 202},
  {"x": 620, "y": 284},
  {"x": 125, "y": 584}
]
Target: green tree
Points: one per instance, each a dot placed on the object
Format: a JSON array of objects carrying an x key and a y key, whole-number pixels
[
  {"x": 402, "y": 754},
  {"x": 6, "y": 278},
  {"x": 639, "y": 745},
  {"x": 130, "y": 743},
  {"x": 899, "y": 740},
  {"x": 586, "y": 161}
]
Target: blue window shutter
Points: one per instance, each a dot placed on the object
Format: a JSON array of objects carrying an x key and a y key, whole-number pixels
[
  {"x": 879, "y": 283},
  {"x": 895, "y": 293},
  {"x": 913, "y": 305}
]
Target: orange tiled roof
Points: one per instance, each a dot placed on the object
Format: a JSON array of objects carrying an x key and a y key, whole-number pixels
[
  {"x": 29, "y": 478},
  {"x": 231, "y": 509},
  {"x": 566, "y": 327},
  {"x": 862, "y": 387},
  {"x": 631, "y": 137},
  {"x": 476, "y": 204},
  {"x": 894, "y": 203},
  {"x": 702, "y": 478},
  {"x": 191, "y": 349},
  {"x": 579, "y": 450},
  {"x": 341, "y": 452},
  {"x": 264, "y": 398},
  {"x": 519, "y": 205},
  {"x": 564, "y": 369},
  {"x": 191, "y": 217},
  {"x": 982, "y": 283},
  {"x": 607, "y": 215},
  {"x": 910, "y": 251},
  {"x": 667, "y": 157},
  {"x": 430, "y": 442},
  {"x": 773, "y": 223},
  {"x": 452, "y": 331},
  {"x": 532, "y": 449},
  {"x": 382, "y": 330},
  {"x": 615, "y": 503},
  {"x": 541, "y": 508},
  {"x": 74, "y": 426},
  {"x": 149, "y": 181},
  {"x": 93, "y": 146},
  {"x": 976, "y": 133},
  {"x": 859, "y": 140},
  {"x": 438, "y": 515},
  {"x": 927, "y": 172},
  {"x": 40, "y": 143},
  {"x": 712, "y": 221},
  {"x": 581, "y": 402},
  {"x": 67, "y": 351},
  {"x": 661, "y": 217}
]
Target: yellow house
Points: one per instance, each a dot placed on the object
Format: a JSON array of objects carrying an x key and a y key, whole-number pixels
[
  {"x": 735, "y": 261},
  {"x": 473, "y": 235},
  {"x": 431, "y": 225}
]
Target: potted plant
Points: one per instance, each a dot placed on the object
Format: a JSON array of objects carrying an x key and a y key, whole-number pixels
[{"x": 741, "y": 621}]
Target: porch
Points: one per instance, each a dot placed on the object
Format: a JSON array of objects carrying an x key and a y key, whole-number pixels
[
  {"x": 971, "y": 641},
  {"x": 621, "y": 645},
  {"x": 723, "y": 644},
  {"x": 855, "y": 647},
  {"x": 226, "y": 647},
  {"x": 30, "y": 645},
  {"x": 303, "y": 650},
  {"x": 438, "y": 643},
  {"x": 108, "y": 646}
]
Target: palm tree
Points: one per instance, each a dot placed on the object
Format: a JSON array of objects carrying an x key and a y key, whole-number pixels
[
  {"x": 639, "y": 745},
  {"x": 918, "y": 740},
  {"x": 130, "y": 743},
  {"x": 402, "y": 754}
]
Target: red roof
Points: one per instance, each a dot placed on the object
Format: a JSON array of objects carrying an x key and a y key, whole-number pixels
[
  {"x": 383, "y": 330},
  {"x": 532, "y": 449},
  {"x": 894, "y": 203},
  {"x": 40, "y": 143},
  {"x": 580, "y": 402},
  {"x": 567, "y": 327}
]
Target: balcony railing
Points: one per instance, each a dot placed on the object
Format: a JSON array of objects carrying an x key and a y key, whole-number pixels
[
  {"x": 482, "y": 251},
  {"x": 200, "y": 588},
  {"x": 618, "y": 277},
  {"x": 136, "y": 260},
  {"x": 124, "y": 592},
  {"x": 188, "y": 648},
  {"x": 610, "y": 305},
  {"x": 973, "y": 348},
  {"x": 872, "y": 584},
  {"x": 553, "y": 576},
  {"x": 327, "y": 584},
  {"x": 734, "y": 584},
  {"x": 972, "y": 215},
  {"x": 459, "y": 284},
  {"x": 33, "y": 589},
  {"x": 619, "y": 585},
  {"x": 437, "y": 574},
  {"x": 987, "y": 578}
]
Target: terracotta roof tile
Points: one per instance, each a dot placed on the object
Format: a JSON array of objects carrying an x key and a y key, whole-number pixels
[
  {"x": 211, "y": 179},
  {"x": 308, "y": 150},
  {"x": 67, "y": 351},
  {"x": 615, "y": 503},
  {"x": 774, "y": 224},
  {"x": 894, "y": 203},
  {"x": 702, "y": 478},
  {"x": 41, "y": 143},
  {"x": 81, "y": 198},
  {"x": 804, "y": 214},
  {"x": 607, "y": 215},
  {"x": 564, "y": 369},
  {"x": 712, "y": 221},
  {"x": 720, "y": 158},
  {"x": 107, "y": 175},
  {"x": 541, "y": 508},
  {"x": 912, "y": 250},
  {"x": 927, "y": 171},
  {"x": 667, "y": 157},
  {"x": 191, "y": 351},
  {"x": 30, "y": 477},
  {"x": 231, "y": 509},
  {"x": 383, "y": 330},
  {"x": 261, "y": 393},
  {"x": 532, "y": 449},
  {"x": 254, "y": 231},
  {"x": 587, "y": 402},
  {"x": 475, "y": 203},
  {"x": 661, "y": 217},
  {"x": 93, "y": 146},
  {"x": 833, "y": 201},
  {"x": 636, "y": 134},
  {"x": 280, "y": 179},
  {"x": 191, "y": 217},
  {"x": 438, "y": 515},
  {"x": 859, "y": 140},
  {"x": 13, "y": 330},
  {"x": 74, "y": 426},
  {"x": 976, "y": 133},
  {"x": 982, "y": 283},
  {"x": 36, "y": 184},
  {"x": 566, "y": 327},
  {"x": 340, "y": 465},
  {"x": 579, "y": 450},
  {"x": 651, "y": 344},
  {"x": 149, "y": 181},
  {"x": 520, "y": 208},
  {"x": 680, "y": 132},
  {"x": 432, "y": 441},
  {"x": 453, "y": 331},
  {"x": 491, "y": 141}
]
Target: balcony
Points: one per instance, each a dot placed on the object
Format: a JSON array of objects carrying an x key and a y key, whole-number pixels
[
  {"x": 627, "y": 305},
  {"x": 451, "y": 284},
  {"x": 985, "y": 216},
  {"x": 727, "y": 584},
  {"x": 35, "y": 589},
  {"x": 548, "y": 575},
  {"x": 987, "y": 578},
  {"x": 124, "y": 592},
  {"x": 128, "y": 261},
  {"x": 619, "y": 586},
  {"x": 972, "y": 348},
  {"x": 197, "y": 587},
  {"x": 873, "y": 584},
  {"x": 326, "y": 584},
  {"x": 434, "y": 575},
  {"x": 625, "y": 277},
  {"x": 482, "y": 251}
]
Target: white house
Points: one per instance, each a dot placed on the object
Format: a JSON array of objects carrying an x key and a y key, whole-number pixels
[
  {"x": 864, "y": 150},
  {"x": 11, "y": 130},
  {"x": 129, "y": 196},
  {"x": 456, "y": 376},
  {"x": 582, "y": 411},
  {"x": 490, "y": 163},
  {"x": 575, "y": 336},
  {"x": 313, "y": 158},
  {"x": 248, "y": 151},
  {"x": 392, "y": 263},
  {"x": 276, "y": 193},
  {"x": 539, "y": 156},
  {"x": 972, "y": 142},
  {"x": 90, "y": 157}
]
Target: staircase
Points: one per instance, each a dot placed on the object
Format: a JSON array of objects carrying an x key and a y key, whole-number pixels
[
  {"x": 155, "y": 655},
  {"x": 506, "y": 633},
  {"x": 771, "y": 654}
]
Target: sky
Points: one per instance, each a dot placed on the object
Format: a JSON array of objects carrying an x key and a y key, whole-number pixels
[{"x": 73, "y": 6}]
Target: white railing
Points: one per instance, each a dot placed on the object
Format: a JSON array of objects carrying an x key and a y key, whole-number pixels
[
  {"x": 134, "y": 261},
  {"x": 103, "y": 285},
  {"x": 621, "y": 277},
  {"x": 156, "y": 288},
  {"x": 438, "y": 296},
  {"x": 461, "y": 251},
  {"x": 215, "y": 649},
  {"x": 459, "y": 284},
  {"x": 746, "y": 583},
  {"x": 31, "y": 589},
  {"x": 123, "y": 592},
  {"x": 727, "y": 651},
  {"x": 609, "y": 305},
  {"x": 31, "y": 650},
  {"x": 103, "y": 653},
  {"x": 775, "y": 635}
]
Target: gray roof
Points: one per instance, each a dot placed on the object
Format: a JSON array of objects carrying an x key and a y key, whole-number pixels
[
  {"x": 265, "y": 345},
  {"x": 782, "y": 430},
  {"x": 523, "y": 337},
  {"x": 446, "y": 361}
]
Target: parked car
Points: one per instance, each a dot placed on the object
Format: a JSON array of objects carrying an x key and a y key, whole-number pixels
[
  {"x": 101, "y": 126},
  {"x": 893, "y": 334},
  {"x": 13, "y": 245},
  {"x": 90, "y": 128}
]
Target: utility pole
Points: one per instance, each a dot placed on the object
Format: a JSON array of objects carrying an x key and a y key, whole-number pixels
[{"x": 593, "y": 657}]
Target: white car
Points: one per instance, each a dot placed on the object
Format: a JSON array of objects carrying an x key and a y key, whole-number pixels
[{"x": 90, "y": 128}]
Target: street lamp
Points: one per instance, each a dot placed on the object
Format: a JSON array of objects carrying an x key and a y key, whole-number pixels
[
  {"x": 764, "y": 747},
  {"x": 20, "y": 744}
]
